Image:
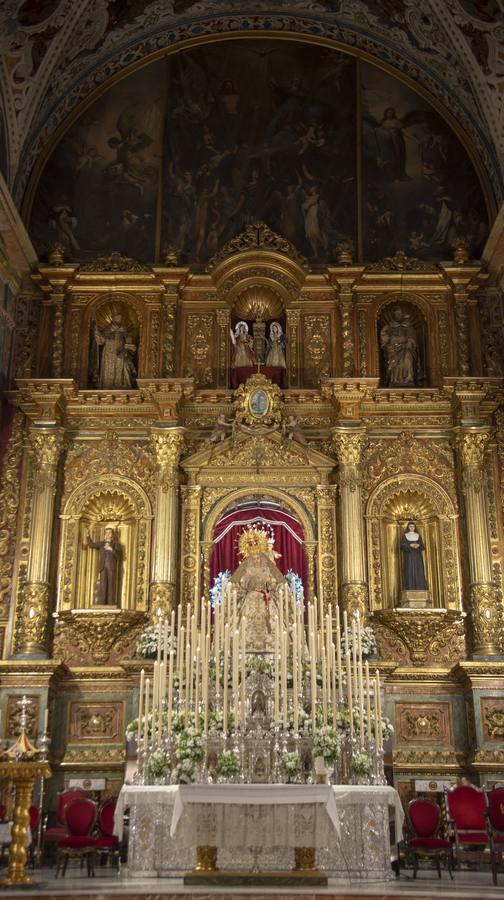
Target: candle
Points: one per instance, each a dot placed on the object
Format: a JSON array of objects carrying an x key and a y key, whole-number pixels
[
  {"x": 146, "y": 729},
  {"x": 333, "y": 684},
  {"x": 205, "y": 683},
  {"x": 324, "y": 686},
  {"x": 46, "y": 718},
  {"x": 170, "y": 688},
  {"x": 159, "y": 637},
  {"x": 368, "y": 703},
  {"x": 284, "y": 679},
  {"x": 378, "y": 724},
  {"x": 338, "y": 654},
  {"x": 165, "y": 644},
  {"x": 187, "y": 677},
  {"x": 197, "y": 686},
  {"x": 313, "y": 680},
  {"x": 140, "y": 708},
  {"x": 349, "y": 690},
  {"x": 225, "y": 697},
  {"x": 354, "y": 659},
  {"x": 236, "y": 660},
  {"x": 276, "y": 684},
  {"x": 295, "y": 676},
  {"x": 243, "y": 674}
]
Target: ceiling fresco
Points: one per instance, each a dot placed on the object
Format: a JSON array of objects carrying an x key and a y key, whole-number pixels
[{"x": 322, "y": 147}]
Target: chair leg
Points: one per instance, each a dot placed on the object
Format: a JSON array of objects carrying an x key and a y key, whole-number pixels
[
  {"x": 415, "y": 865},
  {"x": 493, "y": 861},
  {"x": 65, "y": 864},
  {"x": 449, "y": 864},
  {"x": 438, "y": 865},
  {"x": 58, "y": 861}
]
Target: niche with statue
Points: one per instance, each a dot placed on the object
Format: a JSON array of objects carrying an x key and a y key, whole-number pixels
[
  {"x": 402, "y": 342},
  {"x": 412, "y": 546},
  {"x": 114, "y": 346},
  {"x": 105, "y": 547}
]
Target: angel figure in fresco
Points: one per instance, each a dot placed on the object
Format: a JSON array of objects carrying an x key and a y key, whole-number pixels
[
  {"x": 243, "y": 346},
  {"x": 275, "y": 349},
  {"x": 108, "y": 565},
  {"x": 220, "y": 429},
  {"x": 114, "y": 350}
]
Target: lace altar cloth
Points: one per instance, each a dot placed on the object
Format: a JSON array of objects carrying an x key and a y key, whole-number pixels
[{"x": 352, "y": 840}]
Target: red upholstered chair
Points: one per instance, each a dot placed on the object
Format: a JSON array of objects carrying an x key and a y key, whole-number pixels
[
  {"x": 466, "y": 807},
  {"x": 80, "y": 819},
  {"x": 55, "y": 832},
  {"x": 424, "y": 817},
  {"x": 107, "y": 842},
  {"x": 495, "y": 827}
]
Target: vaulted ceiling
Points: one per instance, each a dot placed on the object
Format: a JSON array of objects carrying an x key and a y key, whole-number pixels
[{"x": 55, "y": 53}]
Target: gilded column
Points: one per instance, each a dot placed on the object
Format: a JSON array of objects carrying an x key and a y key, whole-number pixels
[
  {"x": 58, "y": 300},
  {"x": 223, "y": 316},
  {"x": 485, "y": 599},
  {"x": 326, "y": 558},
  {"x": 168, "y": 444},
  {"x": 31, "y": 635},
  {"x": 293, "y": 318},
  {"x": 206, "y": 554},
  {"x": 169, "y": 323},
  {"x": 191, "y": 562},
  {"x": 349, "y": 445},
  {"x": 311, "y": 550},
  {"x": 462, "y": 333}
]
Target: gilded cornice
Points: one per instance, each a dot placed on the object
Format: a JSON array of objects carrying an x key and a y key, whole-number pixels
[
  {"x": 488, "y": 674},
  {"x": 29, "y": 673},
  {"x": 429, "y": 761}
]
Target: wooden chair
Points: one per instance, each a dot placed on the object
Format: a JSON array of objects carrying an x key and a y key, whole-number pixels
[
  {"x": 80, "y": 820},
  {"x": 424, "y": 818},
  {"x": 495, "y": 827},
  {"x": 466, "y": 808}
]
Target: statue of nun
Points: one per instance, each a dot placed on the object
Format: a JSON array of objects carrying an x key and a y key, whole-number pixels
[{"x": 412, "y": 547}]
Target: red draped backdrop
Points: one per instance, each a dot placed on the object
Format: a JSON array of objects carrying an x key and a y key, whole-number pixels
[{"x": 288, "y": 534}]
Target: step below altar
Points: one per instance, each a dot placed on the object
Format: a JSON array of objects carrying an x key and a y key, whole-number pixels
[{"x": 342, "y": 831}]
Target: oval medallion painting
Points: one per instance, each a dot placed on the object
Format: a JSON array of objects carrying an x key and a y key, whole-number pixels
[{"x": 259, "y": 402}]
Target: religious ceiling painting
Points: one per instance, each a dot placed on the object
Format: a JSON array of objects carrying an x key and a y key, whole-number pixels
[
  {"x": 99, "y": 189},
  {"x": 186, "y": 152},
  {"x": 420, "y": 189}
]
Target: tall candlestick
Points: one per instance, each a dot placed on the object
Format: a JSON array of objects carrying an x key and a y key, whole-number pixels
[
  {"x": 295, "y": 677},
  {"x": 205, "y": 683},
  {"x": 236, "y": 660},
  {"x": 333, "y": 684},
  {"x": 313, "y": 680},
  {"x": 284, "y": 680},
  {"x": 368, "y": 703},
  {"x": 146, "y": 706},
  {"x": 276, "y": 685},
  {"x": 324, "y": 685},
  {"x": 140, "y": 706},
  {"x": 354, "y": 659},
  {"x": 170, "y": 688},
  {"x": 197, "y": 686},
  {"x": 349, "y": 691},
  {"x": 338, "y": 655},
  {"x": 378, "y": 723},
  {"x": 243, "y": 719},
  {"x": 225, "y": 691}
]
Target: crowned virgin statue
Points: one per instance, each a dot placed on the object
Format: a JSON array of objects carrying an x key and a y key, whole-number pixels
[{"x": 258, "y": 584}]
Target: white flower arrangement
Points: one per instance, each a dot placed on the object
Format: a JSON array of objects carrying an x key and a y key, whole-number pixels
[
  {"x": 304, "y": 719},
  {"x": 190, "y": 746},
  {"x": 158, "y": 764},
  {"x": 184, "y": 772},
  {"x": 326, "y": 743},
  {"x": 361, "y": 766},
  {"x": 368, "y": 641},
  {"x": 219, "y": 587},
  {"x": 228, "y": 764},
  {"x": 147, "y": 644},
  {"x": 290, "y": 765}
]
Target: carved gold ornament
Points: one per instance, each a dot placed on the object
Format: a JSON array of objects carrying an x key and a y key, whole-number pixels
[{"x": 258, "y": 405}]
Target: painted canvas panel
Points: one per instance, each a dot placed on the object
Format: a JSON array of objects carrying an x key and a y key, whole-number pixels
[
  {"x": 259, "y": 130},
  {"x": 420, "y": 187},
  {"x": 99, "y": 189}
]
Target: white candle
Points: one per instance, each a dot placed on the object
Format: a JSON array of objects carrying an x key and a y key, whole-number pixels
[
  {"x": 295, "y": 677},
  {"x": 276, "y": 685},
  {"x": 243, "y": 675},
  {"x": 146, "y": 729},
  {"x": 368, "y": 702},
  {"x": 197, "y": 686},
  {"x": 236, "y": 661},
  {"x": 349, "y": 691},
  {"x": 313, "y": 679},
  {"x": 338, "y": 654},
  {"x": 170, "y": 688},
  {"x": 205, "y": 684},
  {"x": 140, "y": 708},
  {"x": 333, "y": 685},
  {"x": 324, "y": 686},
  {"x": 284, "y": 680},
  {"x": 225, "y": 693},
  {"x": 378, "y": 725}
]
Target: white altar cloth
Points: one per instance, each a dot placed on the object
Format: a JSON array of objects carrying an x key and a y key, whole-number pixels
[{"x": 168, "y": 823}]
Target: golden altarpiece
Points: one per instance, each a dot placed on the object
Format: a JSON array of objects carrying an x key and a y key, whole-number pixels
[{"x": 150, "y": 460}]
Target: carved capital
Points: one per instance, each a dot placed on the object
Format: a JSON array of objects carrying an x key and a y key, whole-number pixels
[
  {"x": 487, "y": 618},
  {"x": 471, "y": 446},
  {"x": 96, "y": 634},
  {"x": 168, "y": 445},
  {"x": 46, "y": 447},
  {"x": 162, "y": 600},
  {"x": 349, "y": 446},
  {"x": 356, "y": 599},
  {"x": 32, "y": 626},
  {"x": 426, "y": 635}
]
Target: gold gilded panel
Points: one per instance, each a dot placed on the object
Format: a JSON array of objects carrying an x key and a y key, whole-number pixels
[
  {"x": 198, "y": 356},
  {"x": 95, "y": 722},
  {"x": 426, "y": 724},
  {"x": 492, "y": 719},
  {"x": 316, "y": 348}
]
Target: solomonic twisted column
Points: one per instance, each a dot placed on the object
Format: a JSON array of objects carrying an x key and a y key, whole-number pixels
[
  {"x": 168, "y": 444},
  {"x": 349, "y": 444},
  {"x": 31, "y": 636},
  {"x": 486, "y": 602}
]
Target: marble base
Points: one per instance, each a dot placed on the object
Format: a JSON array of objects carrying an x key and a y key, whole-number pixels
[{"x": 257, "y": 879}]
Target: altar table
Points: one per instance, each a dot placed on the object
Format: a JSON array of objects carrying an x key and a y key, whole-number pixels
[{"x": 258, "y": 826}]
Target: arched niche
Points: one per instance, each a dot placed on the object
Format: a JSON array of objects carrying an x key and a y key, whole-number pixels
[
  {"x": 114, "y": 344},
  {"x": 115, "y": 502},
  {"x": 391, "y": 505},
  {"x": 403, "y": 345}
]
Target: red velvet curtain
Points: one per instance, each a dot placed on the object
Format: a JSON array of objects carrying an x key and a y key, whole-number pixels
[{"x": 287, "y": 532}]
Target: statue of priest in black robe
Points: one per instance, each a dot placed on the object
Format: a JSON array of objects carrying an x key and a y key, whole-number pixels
[{"x": 412, "y": 547}]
